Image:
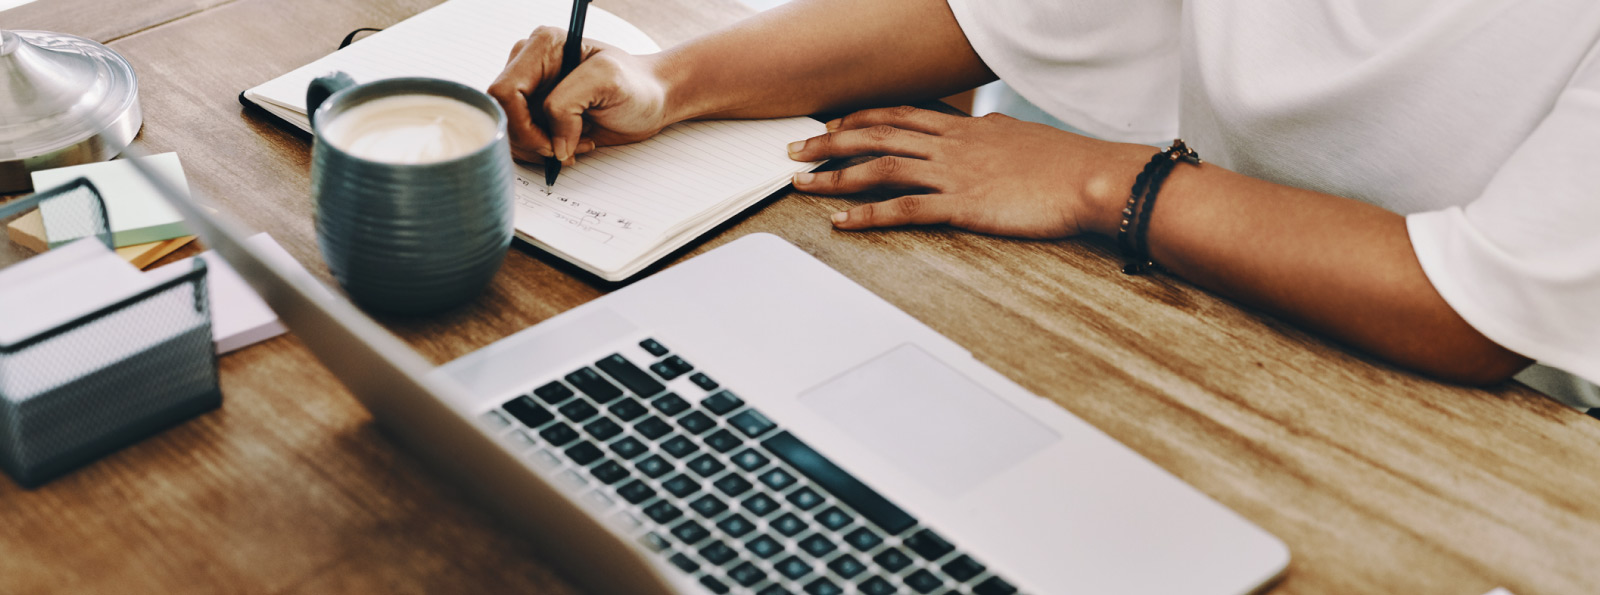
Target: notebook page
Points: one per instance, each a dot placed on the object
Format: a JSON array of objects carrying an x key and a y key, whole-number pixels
[
  {"x": 466, "y": 41},
  {"x": 617, "y": 203}
]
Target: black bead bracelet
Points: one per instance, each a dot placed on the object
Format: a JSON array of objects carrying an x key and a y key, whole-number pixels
[{"x": 1133, "y": 234}]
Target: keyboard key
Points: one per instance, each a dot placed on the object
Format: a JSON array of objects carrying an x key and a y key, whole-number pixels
[
  {"x": 653, "y": 348},
  {"x": 713, "y": 585},
  {"x": 736, "y": 525},
  {"x": 584, "y": 453},
  {"x": 654, "y": 466},
  {"x": 876, "y": 586},
  {"x": 717, "y": 553},
  {"x": 929, "y": 545},
  {"x": 684, "y": 563},
  {"x": 834, "y": 518},
  {"x": 805, "y": 498},
  {"x": 708, "y": 506},
  {"x": 818, "y": 545},
  {"x": 681, "y": 485},
  {"x": 629, "y": 375},
  {"x": 706, "y": 465},
  {"x": 994, "y": 586},
  {"x": 578, "y": 411},
  {"x": 553, "y": 393},
  {"x": 760, "y": 505},
  {"x": 703, "y": 381},
  {"x": 863, "y": 539},
  {"x": 793, "y": 567},
  {"x": 494, "y": 420},
  {"x": 628, "y": 448},
  {"x": 836, "y": 481},
  {"x": 628, "y": 409},
  {"x": 847, "y": 566},
  {"x": 635, "y": 492},
  {"x": 662, "y": 512},
  {"x": 591, "y": 383},
  {"x": 652, "y": 427},
  {"x": 609, "y": 472},
  {"x": 690, "y": 533},
  {"x": 963, "y": 568},
  {"x": 892, "y": 559},
  {"x": 823, "y": 586},
  {"x": 670, "y": 368},
  {"x": 654, "y": 542},
  {"x": 788, "y": 524},
  {"x": 670, "y": 404},
  {"x": 732, "y": 485},
  {"x": 528, "y": 412},
  {"x": 750, "y": 460},
  {"x": 603, "y": 429},
  {"x": 723, "y": 441},
  {"x": 721, "y": 403},
  {"x": 923, "y": 581},
  {"x": 559, "y": 434},
  {"x": 746, "y": 574},
  {"x": 774, "y": 589},
  {"x": 697, "y": 423},
  {"x": 679, "y": 446},
  {"x": 777, "y": 479},
  {"x": 763, "y": 547},
  {"x": 751, "y": 422}
]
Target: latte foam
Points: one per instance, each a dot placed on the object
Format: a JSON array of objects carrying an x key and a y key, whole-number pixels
[{"x": 411, "y": 129}]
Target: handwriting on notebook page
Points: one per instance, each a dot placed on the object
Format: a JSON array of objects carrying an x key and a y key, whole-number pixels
[{"x": 600, "y": 223}]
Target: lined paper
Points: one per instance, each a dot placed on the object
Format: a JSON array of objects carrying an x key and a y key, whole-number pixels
[{"x": 619, "y": 208}]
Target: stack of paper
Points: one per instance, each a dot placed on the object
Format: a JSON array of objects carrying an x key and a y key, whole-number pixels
[
  {"x": 619, "y": 209},
  {"x": 144, "y": 227},
  {"x": 238, "y": 316}
]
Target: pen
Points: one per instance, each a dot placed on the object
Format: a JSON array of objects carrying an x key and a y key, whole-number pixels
[{"x": 571, "y": 54}]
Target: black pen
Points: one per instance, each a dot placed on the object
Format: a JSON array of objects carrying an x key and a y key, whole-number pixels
[{"x": 571, "y": 54}]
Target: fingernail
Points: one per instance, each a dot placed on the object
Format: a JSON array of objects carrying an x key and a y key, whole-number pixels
[
  {"x": 561, "y": 150},
  {"x": 834, "y": 124},
  {"x": 796, "y": 146},
  {"x": 544, "y": 152},
  {"x": 586, "y": 146},
  {"x": 841, "y": 217},
  {"x": 805, "y": 178}
]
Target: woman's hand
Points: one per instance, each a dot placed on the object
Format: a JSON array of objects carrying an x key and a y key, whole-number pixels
[
  {"x": 993, "y": 174},
  {"x": 611, "y": 98}
]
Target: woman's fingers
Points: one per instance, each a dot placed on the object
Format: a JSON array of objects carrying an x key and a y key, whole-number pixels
[
  {"x": 876, "y": 140},
  {"x": 904, "y": 117},
  {"x": 919, "y": 209},
  {"x": 534, "y": 62},
  {"x": 884, "y": 172}
]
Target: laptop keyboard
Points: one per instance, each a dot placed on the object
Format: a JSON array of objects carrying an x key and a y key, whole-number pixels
[{"x": 722, "y": 492}]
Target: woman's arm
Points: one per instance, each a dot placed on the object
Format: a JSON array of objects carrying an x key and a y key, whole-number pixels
[
  {"x": 806, "y": 57},
  {"x": 1339, "y": 266}
]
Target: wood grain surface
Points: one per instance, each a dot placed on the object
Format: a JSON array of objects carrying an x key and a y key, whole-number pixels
[{"x": 1378, "y": 480}]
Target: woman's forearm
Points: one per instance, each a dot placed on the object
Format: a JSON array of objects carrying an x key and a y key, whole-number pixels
[
  {"x": 1339, "y": 266},
  {"x": 814, "y": 56}
]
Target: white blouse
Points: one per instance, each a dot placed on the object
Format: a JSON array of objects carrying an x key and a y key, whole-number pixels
[{"x": 1477, "y": 119}]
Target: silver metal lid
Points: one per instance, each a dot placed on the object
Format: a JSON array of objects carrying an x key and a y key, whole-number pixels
[{"x": 64, "y": 100}]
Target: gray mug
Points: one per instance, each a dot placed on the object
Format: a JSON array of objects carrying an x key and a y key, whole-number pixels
[{"x": 409, "y": 238}]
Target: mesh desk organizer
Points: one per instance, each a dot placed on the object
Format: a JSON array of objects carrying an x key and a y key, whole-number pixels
[{"x": 76, "y": 392}]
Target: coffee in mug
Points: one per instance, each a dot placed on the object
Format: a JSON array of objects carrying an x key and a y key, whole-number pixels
[{"x": 412, "y": 128}]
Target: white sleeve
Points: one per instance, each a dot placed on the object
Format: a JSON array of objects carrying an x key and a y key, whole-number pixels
[
  {"x": 1109, "y": 67},
  {"x": 1521, "y": 263}
]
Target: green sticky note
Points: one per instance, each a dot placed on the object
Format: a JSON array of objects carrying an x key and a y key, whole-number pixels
[{"x": 136, "y": 210}]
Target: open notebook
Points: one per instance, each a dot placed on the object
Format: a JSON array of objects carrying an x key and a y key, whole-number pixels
[{"x": 619, "y": 209}]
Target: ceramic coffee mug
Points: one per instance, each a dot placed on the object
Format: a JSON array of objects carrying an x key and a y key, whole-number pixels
[{"x": 412, "y": 182}]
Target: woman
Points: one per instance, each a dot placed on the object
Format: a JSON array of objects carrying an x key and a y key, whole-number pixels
[{"x": 1408, "y": 178}]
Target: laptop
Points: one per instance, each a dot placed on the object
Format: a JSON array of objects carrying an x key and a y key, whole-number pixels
[{"x": 751, "y": 421}]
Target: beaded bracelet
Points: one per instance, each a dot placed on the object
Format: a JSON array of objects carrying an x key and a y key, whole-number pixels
[{"x": 1133, "y": 234}]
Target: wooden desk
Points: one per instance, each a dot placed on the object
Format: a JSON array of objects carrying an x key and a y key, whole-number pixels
[{"x": 1379, "y": 481}]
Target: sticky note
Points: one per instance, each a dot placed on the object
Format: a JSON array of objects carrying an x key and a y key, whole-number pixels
[{"x": 137, "y": 213}]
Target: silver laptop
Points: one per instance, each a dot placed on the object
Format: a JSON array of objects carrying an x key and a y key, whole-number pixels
[{"x": 751, "y": 421}]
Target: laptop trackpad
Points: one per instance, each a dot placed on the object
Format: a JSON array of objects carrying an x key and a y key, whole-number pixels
[{"x": 928, "y": 419}]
